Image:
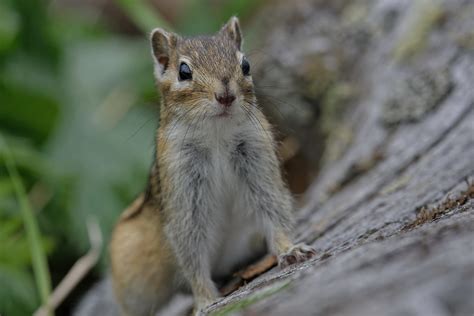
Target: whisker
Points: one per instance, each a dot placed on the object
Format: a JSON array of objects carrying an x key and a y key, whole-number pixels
[
  {"x": 246, "y": 110},
  {"x": 200, "y": 122},
  {"x": 189, "y": 126},
  {"x": 275, "y": 99},
  {"x": 275, "y": 108},
  {"x": 139, "y": 129},
  {"x": 176, "y": 122},
  {"x": 272, "y": 88},
  {"x": 252, "y": 115}
]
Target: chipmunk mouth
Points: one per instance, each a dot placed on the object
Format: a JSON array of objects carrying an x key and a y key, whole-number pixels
[{"x": 224, "y": 113}]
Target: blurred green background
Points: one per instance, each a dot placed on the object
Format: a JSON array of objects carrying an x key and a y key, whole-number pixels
[{"x": 78, "y": 109}]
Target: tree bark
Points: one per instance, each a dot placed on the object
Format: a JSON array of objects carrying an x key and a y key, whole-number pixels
[{"x": 391, "y": 212}]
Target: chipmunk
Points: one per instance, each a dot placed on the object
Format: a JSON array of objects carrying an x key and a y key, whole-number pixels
[{"x": 215, "y": 196}]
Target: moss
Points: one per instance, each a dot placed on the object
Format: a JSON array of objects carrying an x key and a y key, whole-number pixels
[
  {"x": 355, "y": 13},
  {"x": 425, "y": 15},
  {"x": 335, "y": 100},
  {"x": 429, "y": 214},
  {"x": 413, "y": 98},
  {"x": 317, "y": 78},
  {"x": 466, "y": 41},
  {"x": 396, "y": 185},
  {"x": 338, "y": 135},
  {"x": 464, "y": 36},
  {"x": 252, "y": 299}
]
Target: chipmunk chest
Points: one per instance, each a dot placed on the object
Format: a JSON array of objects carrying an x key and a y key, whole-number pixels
[
  {"x": 222, "y": 176},
  {"x": 207, "y": 166}
]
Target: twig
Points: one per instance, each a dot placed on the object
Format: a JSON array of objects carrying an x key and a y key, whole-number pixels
[
  {"x": 78, "y": 271},
  {"x": 289, "y": 148}
]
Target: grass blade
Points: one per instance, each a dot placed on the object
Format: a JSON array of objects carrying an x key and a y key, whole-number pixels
[{"x": 38, "y": 256}]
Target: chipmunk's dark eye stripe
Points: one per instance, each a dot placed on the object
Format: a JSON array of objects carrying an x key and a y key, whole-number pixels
[
  {"x": 245, "y": 66},
  {"x": 185, "y": 72}
]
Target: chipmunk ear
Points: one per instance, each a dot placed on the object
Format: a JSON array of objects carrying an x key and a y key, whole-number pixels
[
  {"x": 162, "y": 43},
  {"x": 232, "y": 29}
]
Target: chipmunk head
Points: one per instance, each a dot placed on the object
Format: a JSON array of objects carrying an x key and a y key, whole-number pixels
[{"x": 204, "y": 76}]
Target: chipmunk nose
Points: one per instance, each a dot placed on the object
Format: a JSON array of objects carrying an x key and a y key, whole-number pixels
[{"x": 225, "y": 99}]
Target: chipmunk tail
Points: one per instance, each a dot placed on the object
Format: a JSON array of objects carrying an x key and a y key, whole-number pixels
[{"x": 99, "y": 300}]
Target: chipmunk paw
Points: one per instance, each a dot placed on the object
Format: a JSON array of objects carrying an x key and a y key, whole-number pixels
[{"x": 298, "y": 253}]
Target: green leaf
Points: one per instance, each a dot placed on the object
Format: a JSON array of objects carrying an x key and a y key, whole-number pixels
[
  {"x": 9, "y": 26},
  {"x": 26, "y": 112},
  {"x": 17, "y": 293}
]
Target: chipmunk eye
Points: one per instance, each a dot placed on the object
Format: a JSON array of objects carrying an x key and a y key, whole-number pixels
[
  {"x": 245, "y": 66},
  {"x": 185, "y": 72}
]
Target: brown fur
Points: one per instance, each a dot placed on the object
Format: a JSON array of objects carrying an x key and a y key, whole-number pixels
[{"x": 146, "y": 262}]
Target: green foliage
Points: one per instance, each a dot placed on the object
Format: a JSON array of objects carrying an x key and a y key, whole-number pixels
[
  {"x": 93, "y": 143},
  {"x": 19, "y": 296},
  {"x": 206, "y": 16},
  {"x": 9, "y": 26},
  {"x": 78, "y": 110},
  {"x": 259, "y": 295},
  {"x": 17, "y": 247},
  {"x": 143, "y": 15}
]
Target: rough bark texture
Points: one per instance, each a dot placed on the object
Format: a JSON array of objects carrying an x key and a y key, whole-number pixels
[
  {"x": 389, "y": 86},
  {"x": 391, "y": 212}
]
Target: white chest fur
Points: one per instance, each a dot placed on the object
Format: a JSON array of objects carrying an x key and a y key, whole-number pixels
[{"x": 235, "y": 235}]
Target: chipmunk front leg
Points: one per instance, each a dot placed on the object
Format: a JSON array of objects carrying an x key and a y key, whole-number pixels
[
  {"x": 278, "y": 223},
  {"x": 191, "y": 250},
  {"x": 270, "y": 199},
  {"x": 289, "y": 253},
  {"x": 189, "y": 221}
]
